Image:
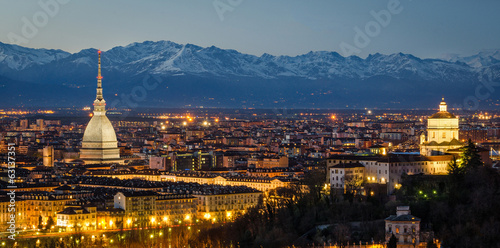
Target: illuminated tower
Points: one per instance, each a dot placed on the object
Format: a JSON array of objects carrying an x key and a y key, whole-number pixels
[
  {"x": 99, "y": 144},
  {"x": 442, "y": 133}
]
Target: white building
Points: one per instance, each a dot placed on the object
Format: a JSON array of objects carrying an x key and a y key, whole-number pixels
[
  {"x": 389, "y": 169},
  {"x": 404, "y": 226},
  {"x": 442, "y": 133},
  {"x": 344, "y": 176},
  {"x": 77, "y": 218}
]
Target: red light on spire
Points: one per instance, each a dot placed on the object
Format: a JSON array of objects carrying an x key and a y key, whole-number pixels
[
  {"x": 99, "y": 51},
  {"x": 99, "y": 77}
]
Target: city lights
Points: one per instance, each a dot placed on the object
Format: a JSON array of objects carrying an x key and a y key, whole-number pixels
[{"x": 143, "y": 171}]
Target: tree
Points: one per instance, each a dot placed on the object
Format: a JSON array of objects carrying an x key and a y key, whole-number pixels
[
  {"x": 50, "y": 223},
  {"x": 431, "y": 244},
  {"x": 455, "y": 169},
  {"x": 353, "y": 184},
  {"x": 315, "y": 180},
  {"x": 393, "y": 242},
  {"x": 470, "y": 158},
  {"x": 40, "y": 226}
]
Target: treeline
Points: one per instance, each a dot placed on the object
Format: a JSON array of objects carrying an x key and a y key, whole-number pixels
[{"x": 288, "y": 217}]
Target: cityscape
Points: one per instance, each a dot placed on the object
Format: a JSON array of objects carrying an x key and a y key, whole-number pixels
[{"x": 162, "y": 144}]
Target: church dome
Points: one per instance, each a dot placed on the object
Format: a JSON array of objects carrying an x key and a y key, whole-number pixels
[
  {"x": 443, "y": 111},
  {"x": 443, "y": 114},
  {"x": 99, "y": 129}
]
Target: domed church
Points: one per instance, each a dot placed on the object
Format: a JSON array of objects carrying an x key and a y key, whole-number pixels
[
  {"x": 442, "y": 133},
  {"x": 99, "y": 144}
]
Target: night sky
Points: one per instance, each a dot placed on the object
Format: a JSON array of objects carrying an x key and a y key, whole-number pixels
[{"x": 426, "y": 28}]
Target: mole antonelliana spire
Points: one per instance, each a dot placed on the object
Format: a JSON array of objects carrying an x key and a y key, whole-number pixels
[{"x": 99, "y": 144}]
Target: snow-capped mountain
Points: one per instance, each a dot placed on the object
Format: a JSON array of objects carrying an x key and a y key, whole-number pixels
[
  {"x": 481, "y": 59},
  {"x": 168, "y": 58},
  {"x": 19, "y": 58},
  {"x": 228, "y": 77}
]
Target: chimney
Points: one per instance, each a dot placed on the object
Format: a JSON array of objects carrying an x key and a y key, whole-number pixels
[{"x": 403, "y": 210}]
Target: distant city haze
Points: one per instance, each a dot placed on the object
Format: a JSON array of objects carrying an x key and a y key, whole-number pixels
[{"x": 427, "y": 29}]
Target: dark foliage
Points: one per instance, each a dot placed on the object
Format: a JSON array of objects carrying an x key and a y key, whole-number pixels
[
  {"x": 288, "y": 216},
  {"x": 393, "y": 242},
  {"x": 464, "y": 210}
]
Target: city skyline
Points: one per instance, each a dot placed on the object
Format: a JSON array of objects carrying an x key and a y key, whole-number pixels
[{"x": 239, "y": 123}]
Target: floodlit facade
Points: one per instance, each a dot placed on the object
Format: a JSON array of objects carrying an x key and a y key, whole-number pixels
[
  {"x": 259, "y": 183},
  {"x": 387, "y": 170},
  {"x": 139, "y": 206},
  {"x": 174, "y": 209},
  {"x": 442, "y": 133},
  {"x": 225, "y": 206},
  {"x": 77, "y": 218}
]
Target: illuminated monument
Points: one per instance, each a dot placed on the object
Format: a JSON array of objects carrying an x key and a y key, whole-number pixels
[
  {"x": 99, "y": 144},
  {"x": 442, "y": 133}
]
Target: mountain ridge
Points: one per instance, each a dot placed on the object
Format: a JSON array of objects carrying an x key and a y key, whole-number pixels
[{"x": 124, "y": 67}]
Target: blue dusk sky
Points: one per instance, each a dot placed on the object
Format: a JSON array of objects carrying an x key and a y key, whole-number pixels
[{"x": 424, "y": 28}]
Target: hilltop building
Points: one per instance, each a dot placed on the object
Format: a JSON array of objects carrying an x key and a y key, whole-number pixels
[
  {"x": 442, "y": 133},
  {"x": 404, "y": 226}
]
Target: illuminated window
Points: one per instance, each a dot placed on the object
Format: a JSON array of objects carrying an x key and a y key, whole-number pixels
[
  {"x": 444, "y": 135},
  {"x": 433, "y": 134}
]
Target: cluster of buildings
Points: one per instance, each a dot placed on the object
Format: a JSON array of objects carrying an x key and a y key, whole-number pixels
[
  {"x": 88, "y": 203},
  {"x": 439, "y": 145},
  {"x": 163, "y": 169}
]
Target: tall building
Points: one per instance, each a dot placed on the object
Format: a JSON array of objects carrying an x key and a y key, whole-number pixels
[
  {"x": 99, "y": 144},
  {"x": 48, "y": 156},
  {"x": 442, "y": 133}
]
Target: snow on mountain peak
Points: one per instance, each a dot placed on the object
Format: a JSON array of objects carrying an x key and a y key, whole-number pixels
[
  {"x": 169, "y": 58},
  {"x": 18, "y": 57}
]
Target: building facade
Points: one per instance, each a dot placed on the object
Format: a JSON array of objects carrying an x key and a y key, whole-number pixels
[
  {"x": 77, "y": 218},
  {"x": 442, "y": 133},
  {"x": 404, "y": 226},
  {"x": 347, "y": 176}
]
